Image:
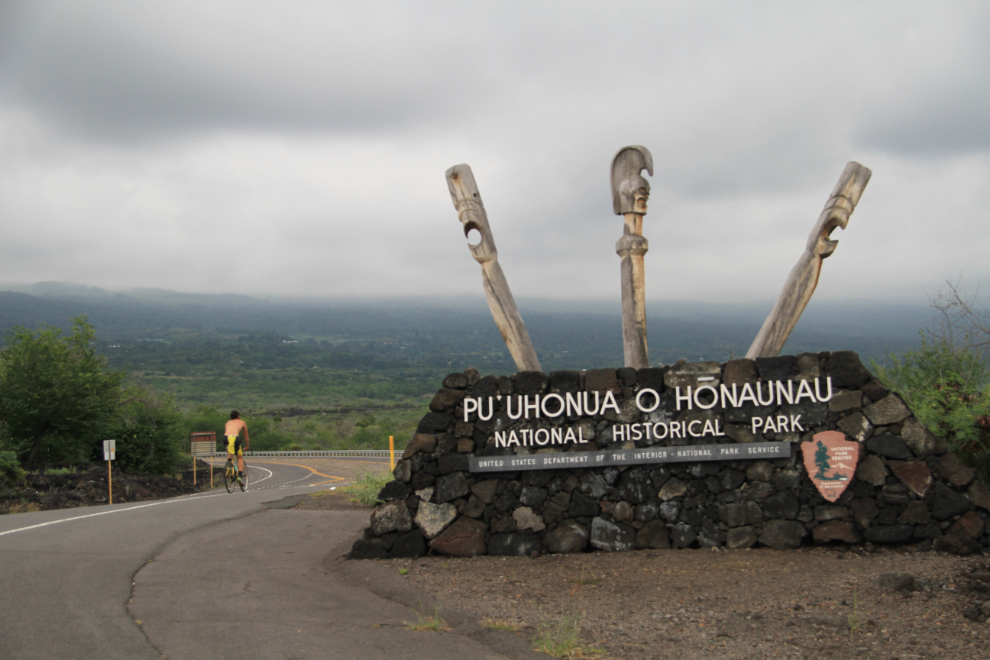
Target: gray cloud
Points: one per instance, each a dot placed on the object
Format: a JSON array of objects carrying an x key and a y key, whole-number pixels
[{"x": 300, "y": 147}]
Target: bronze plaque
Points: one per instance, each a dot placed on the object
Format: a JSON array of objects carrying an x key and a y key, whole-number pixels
[{"x": 831, "y": 462}]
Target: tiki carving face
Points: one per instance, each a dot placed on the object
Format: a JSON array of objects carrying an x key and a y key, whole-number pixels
[{"x": 630, "y": 191}]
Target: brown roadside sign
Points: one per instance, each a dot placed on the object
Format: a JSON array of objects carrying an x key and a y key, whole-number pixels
[{"x": 831, "y": 462}]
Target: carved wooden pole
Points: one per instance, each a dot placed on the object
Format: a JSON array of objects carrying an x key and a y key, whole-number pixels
[
  {"x": 630, "y": 191},
  {"x": 471, "y": 212},
  {"x": 803, "y": 279}
]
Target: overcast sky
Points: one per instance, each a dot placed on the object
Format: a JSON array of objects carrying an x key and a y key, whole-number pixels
[{"x": 299, "y": 148}]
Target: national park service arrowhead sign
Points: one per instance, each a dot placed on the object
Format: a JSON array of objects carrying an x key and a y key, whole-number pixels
[{"x": 831, "y": 462}]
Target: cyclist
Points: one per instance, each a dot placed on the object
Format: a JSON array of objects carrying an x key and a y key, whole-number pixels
[{"x": 233, "y": 430}]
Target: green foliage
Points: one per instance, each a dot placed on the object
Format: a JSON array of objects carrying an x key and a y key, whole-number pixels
[
  {"x": 946, "y": 387},
  {"x": 149, "y": 432},
  {"x": 432, "y": 623},
  {"x": 852, "y": 619},
  {"x": 57, "y": 398},
  {"x": 562, "y": 639},
  {"x": 365, "y": 490},
  {"x": 10, "y": 469}
]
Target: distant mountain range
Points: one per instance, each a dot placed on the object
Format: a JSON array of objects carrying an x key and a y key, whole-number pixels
[{"x": 567, "y": 334}]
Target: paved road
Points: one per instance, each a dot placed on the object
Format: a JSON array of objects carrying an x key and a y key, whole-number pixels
[{"x": 67, "y": 576}]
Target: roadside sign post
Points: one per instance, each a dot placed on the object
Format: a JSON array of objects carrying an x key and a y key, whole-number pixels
[
  {"x": 203, "y": 444},
  {"x": 391, "y": 452},
  {"x": 109, "y": 453}
]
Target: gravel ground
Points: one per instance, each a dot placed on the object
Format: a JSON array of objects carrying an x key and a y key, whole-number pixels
[
  {"x": 810, "y": 603},
  {"x": 807, "y": 603}
]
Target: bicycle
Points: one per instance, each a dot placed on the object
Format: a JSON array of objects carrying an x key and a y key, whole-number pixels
[{"x": 231, "y": 477}]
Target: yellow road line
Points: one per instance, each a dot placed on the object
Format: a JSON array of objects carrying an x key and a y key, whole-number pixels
[
  {"x": 331, "y": 478},
  {"x": 306, "y": 467}
]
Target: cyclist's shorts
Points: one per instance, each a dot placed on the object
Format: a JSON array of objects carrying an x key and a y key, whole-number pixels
[{"x": 234, "y": 445}]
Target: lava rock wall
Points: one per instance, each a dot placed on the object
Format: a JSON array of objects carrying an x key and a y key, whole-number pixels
[{"x": 906, "y": 489}]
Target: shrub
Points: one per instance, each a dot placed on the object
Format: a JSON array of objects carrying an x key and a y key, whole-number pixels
[{"x": 947, "y": 388}]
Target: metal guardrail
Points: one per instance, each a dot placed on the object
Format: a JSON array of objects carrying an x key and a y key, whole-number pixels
[{"x": 377, "y": 453}]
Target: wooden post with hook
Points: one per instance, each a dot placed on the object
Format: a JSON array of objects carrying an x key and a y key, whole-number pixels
[
  {"x": 803, "y": 279},
  {"x": 471, "y": 212}
]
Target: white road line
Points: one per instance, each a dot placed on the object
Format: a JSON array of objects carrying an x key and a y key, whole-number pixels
[
  {"x": 103, "y": 513},
  {"x": 195, "y": 496},
  {"x": 253, "y": 467}
]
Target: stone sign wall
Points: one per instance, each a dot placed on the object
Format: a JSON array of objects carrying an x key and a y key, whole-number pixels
[{"x": 688, "y": 455}]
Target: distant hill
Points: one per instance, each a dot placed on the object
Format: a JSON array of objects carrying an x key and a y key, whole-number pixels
[{"x": 567, "y": 334}]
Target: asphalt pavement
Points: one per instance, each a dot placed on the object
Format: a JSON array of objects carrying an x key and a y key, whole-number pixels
[{"x": 202, "y": 576}]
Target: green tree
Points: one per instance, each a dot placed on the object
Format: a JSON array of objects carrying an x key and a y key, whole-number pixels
[
  {"x": 56, "y": 393},
  {"x": 821, "y": 460},
  {"x": 149, "y": 431}
]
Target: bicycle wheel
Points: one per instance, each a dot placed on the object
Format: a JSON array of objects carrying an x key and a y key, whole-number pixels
[
  {"x": 229, "y": 475},
  {"x": 244, "y": 480}
]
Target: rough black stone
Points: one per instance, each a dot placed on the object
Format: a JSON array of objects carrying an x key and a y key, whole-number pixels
[
  {"x": 846, "y": 370},
  {"x": 653, "y": 535},
  {"x": 627, "y": 375},
  {"x": 634, "y": 486},
  {"x": 693, "y": 515},
  {"x": 410, "y": 544},
  {"x": 507, "y": 501},
  {"x": 775, "y": 368},
  {"x": 889, "y": 533},
  {"x": 514, "y": 545},
  {"x": 450, "y": 487},
  {"x": 784, "y": 504},
  {"x": 947, "y": 502},
  {"x": 421, "y": 480},
  {"x": 659, "y": 476},
  {"x": 709, "y": 536},
  {"x": 538, "y": 477},
  {"x": 582, "y": 505},
  {"x": 569, "y": 536},
  {"x": 533, "y": 497},
  {"x": 486, "y": 387},
  {"x": 783, "y": 534},
  {"x": 434, "y": 422},
  {"x": 786, "y": 479},
  {"x": 393, "y": 490},
  {"x": 453, "y": 463},
  {"x": 890, "y": 446},
  {"x": 683, "y": 536},
  {"x": 812, "y": 414},
  {"x": 888, "y": 515},
  {"x": 368, "y": 549},
  {"x": 739, "y": 514},
  {"x": 457, "y": 381},
  {"x": 647, "y": 511},
  {"x": 930, "y": 530},
  {"x": 696, "y": 486},
  {"x": 651, "y": 378},
  {"x": 744, "y": 414},
  {"x": 704, "y": 469},
  {"x": 875, "y": 390},
  {"x": 896, "y": 494},
  {"x": 531, "y": 382},
  {"x": 732, "y": 479},
  {"x": 563, "y": 382},
  {"x": 447, "y": 444},
  {"x": 612, "y": 536}
]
